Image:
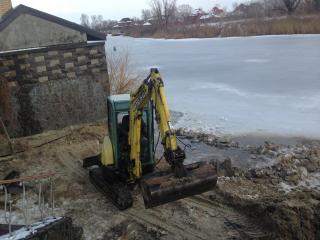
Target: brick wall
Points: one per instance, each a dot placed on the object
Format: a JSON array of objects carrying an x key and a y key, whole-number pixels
[
  {"x": 53, "y": 87},
  {"x": 5, "y": 6}
]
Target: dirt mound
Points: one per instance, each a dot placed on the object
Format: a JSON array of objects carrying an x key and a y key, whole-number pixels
[
  {"x": 129, "y": 230},
  {"x": 282, "y": 195},
  {"x": 286, "y": 216}
]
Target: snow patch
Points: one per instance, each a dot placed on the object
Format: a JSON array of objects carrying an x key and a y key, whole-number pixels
[
  {"x": 286, "y": 187},
  {"x": 310, "y": 182},
  {"x": 25, "y": 232}
]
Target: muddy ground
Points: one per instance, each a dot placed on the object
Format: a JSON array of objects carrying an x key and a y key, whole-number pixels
[{"x": 271, "y": 192}]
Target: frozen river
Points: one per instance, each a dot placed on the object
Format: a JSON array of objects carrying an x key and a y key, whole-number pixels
[{"x": 265, "y": 85}]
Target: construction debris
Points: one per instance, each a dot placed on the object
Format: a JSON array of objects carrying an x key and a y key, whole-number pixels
[{"x": 277, "y": 194}]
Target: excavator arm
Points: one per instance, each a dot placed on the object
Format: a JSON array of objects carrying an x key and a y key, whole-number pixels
[
  {"x": 182, "y": 180},
  {"x": 152, "y": 89}
]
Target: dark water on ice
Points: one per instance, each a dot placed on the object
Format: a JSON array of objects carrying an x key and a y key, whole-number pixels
[{"x": 265, "y": 85}]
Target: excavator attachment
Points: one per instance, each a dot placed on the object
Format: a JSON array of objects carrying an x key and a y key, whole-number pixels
[{"x": 163, "y": 187}]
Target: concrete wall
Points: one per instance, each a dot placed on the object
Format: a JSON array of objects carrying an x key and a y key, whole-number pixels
[
  {"x": 53, "y": 87},
  {"x": 28, "y": 31}
]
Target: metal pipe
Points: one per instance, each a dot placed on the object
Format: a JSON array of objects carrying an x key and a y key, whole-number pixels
[
  {"x": 25, "y": 209},
  {"x": 5, "y": 204},
  {"x": 10, "y": 216},
  {"x": 40, "y": 200},
  {"x": 7, "y": 199},
  {"x": 51, "y": 197}
]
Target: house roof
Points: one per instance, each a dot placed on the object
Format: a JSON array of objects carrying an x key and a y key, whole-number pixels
[{"x": 22, "y": 9}]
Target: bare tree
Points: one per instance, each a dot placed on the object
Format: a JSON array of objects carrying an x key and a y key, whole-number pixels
[
  {"x": 122, "y": 77},
  {"x": 84, "y": 19},
  {"x": 146, "y": 14},
  {"x": 288, "y": 6},
  {"x": 169, "y": 10},
  {"x": 235, "y": 5},
  {"x": 163, "y": 11},
  {"x": 96, "y": 22},
  {"x": 291, "y": 5},
  {"x": 184, "y": 11},
  {"x": 108, "y": 24},
  {"x": 99, "y": 22},
  {"x": 156, "y": 11},
  {"x": 255, "y": 10}
]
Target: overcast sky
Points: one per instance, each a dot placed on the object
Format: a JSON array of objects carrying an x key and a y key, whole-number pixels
[{"x": 109, "y": 9}]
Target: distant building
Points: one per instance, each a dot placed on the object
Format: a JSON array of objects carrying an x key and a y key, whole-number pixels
[
  {"x": 198, "y": 12},
  {"x": 147, "y": 24},
  {"x": 206, "y": 18},
  {"x": 126, "y": 22},
  {"x": 116, "y": 30},
  {"x": 217, "y": 12}
]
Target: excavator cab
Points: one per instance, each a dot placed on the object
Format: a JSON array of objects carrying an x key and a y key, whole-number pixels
[{"x": 118, "y": 125}]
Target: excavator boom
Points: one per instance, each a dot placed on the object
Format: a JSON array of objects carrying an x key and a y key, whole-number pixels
[{"x": 183, "y": 180}]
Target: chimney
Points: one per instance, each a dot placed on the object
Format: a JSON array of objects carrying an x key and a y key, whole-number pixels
[{"x": 5, "y": 6}]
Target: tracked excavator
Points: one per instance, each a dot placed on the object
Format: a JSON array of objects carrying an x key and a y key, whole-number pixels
[{"x": 128, "y": 155}]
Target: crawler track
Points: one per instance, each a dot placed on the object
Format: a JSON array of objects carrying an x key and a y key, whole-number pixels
[
  {"x": 242, "y": 224},
  {"x": 118, "y": 193}
]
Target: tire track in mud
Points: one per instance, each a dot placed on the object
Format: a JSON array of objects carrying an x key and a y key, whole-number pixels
[
  {"x": 239, "y": 222},
  {"x": 176, "y": 227},
  {"x": 144, "y": 217},
  {"x": 230, "y": 223}
]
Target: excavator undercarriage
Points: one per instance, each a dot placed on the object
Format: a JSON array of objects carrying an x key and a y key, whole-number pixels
[{"x": 157, "y": 188}]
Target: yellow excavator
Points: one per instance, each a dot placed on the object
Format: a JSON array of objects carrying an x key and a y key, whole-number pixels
[{"x": 128, "y": 152}]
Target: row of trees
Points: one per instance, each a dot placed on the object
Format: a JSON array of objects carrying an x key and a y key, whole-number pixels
[
  {"x": 161, "y": 13},
  {"x": 262, "y": 8},
  {"x": 164, "y": 13},
  {"x": 291, "y": 6},
  {"x": 96, "y": 22}
]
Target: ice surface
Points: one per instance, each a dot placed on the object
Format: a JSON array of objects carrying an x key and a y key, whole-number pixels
[{"x": 265, "y": 85}]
